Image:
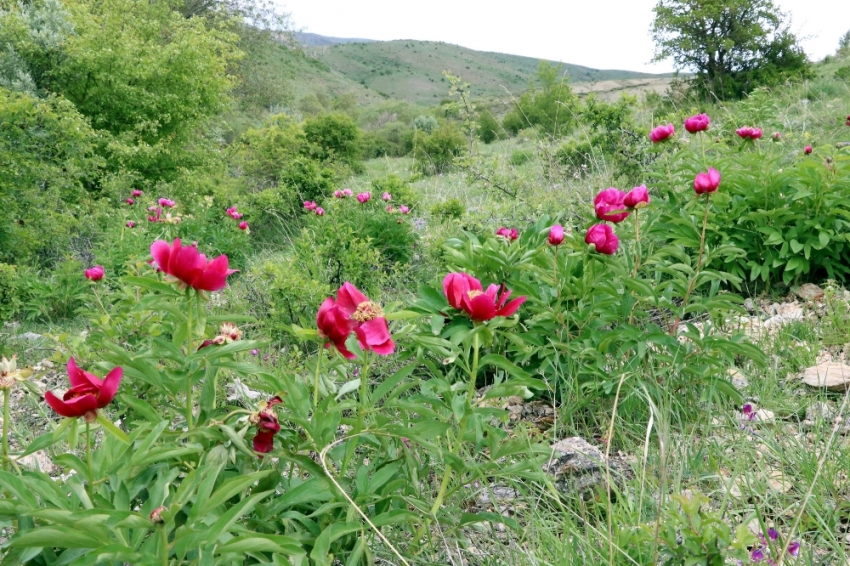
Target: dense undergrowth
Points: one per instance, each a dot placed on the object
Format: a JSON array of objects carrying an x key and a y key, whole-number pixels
[{"x": 386, "y": 310}]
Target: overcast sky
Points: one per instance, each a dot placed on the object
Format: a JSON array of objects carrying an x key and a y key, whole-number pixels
[{"x": 604, "y": 34}]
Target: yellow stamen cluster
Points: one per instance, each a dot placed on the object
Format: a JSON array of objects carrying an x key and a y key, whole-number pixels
[
  {"x": 474, "y": 293},
  {"x": 367, "y": 311}
]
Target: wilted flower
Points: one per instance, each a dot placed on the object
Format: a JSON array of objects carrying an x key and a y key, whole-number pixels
[
  {"x": 166, "y": 203},
  {"x": 403, "y": 209},
  {"x": 387, "y": 196},
  {"x": 319, "y": 211},
  {"x": 777, "y": 136},
  {"x": 749, "y": 133},
  {"x": 130, "y": 201},
  {"x": 310, "y": 205},
  {"x": 364, "y": 197},
  {"x": 136, "y": 193},
  {"x": 157, "y": 214},
  {"x": 227, "y": 333},
  {"x": 130, "y": 224},
  {"x": 233, "y": 213},
  {"x": 662, "y": 133},
  {"x": 511, "y": 234},
  {"x": 88, "y": 393},
  {"x": 698, "y": 123},
  {"x": 189, "y": 266},
  {"x": 609, "y": 201},
  {"x": 371, "y": 326},
  {"x": 556, "y": 235},
  {"x": 95, "y": 273},
  {"x": 707, "y": 182},
  {"x": 9, "y": 372},
  {"x": 638, "y": 197},
  {"x": 267, "y": 425},
  {"x": 338, "y": 194},
  {"x": 347, "y": 192},
  {"x": 465, "y": 293},
  {"x": 390, "y": 208},
  {"x": 604, "y": 238},
  {"x": 243, "y": 225},
  {"x": 807, "y": 150}
]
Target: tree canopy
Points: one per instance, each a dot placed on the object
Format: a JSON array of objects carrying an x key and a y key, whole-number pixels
[{"x": 731, "y": 46}]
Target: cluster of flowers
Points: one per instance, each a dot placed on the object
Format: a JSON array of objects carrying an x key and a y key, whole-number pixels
[
  {"x": 613, "y": 205},
  {"x": 509, "y": 234},
  {"x": 131, "y": 200},
  {"x": 311, "y": 206},
  {"x": 761, "y": 553},
  {"x": 156, "y": 211},
  {"x": 236, "y": 215}
]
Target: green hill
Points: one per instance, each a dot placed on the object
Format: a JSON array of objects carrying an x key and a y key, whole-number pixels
[{"x": 412, "y": 70}]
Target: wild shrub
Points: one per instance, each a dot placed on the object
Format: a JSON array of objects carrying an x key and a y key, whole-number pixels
[{"x": 435, "y": 152}]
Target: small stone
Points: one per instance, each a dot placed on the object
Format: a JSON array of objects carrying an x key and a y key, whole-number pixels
[
  {"x": 765, "y": 416},
  {"x": 578, "y": 466},
  {"x": 778, "y": 482},
  {"x": 809, "y": 292},
  {"x": 739, "y": 380},
  {"x": 819, "y": 411},
  {"x": 496, "y": 494},
  {"x": 29, "y": 336},
  {"x": 38, "y": 461},
  {"x": 750, "y": 305},
  {"x": 834, "y": 376},
  {"x": 47, "y": 364}
]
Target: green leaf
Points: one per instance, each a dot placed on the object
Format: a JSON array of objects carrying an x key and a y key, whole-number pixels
[
  {"x": 323, "y": 543},
  {"x": 58, "y": 536},
  {"x": 40, "y": 443},
  {"x": 112, "y": 429},
  {"x": 503, "y": 363},
  {"x": 402, "y": 315},
  {"x": 154, "y": 285},
  {"x": 229, "y": 489}
]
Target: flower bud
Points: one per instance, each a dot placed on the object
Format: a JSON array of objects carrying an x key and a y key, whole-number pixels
[
  {"x": 556, "y": 235},
  {"x": 156, "y": 514}
]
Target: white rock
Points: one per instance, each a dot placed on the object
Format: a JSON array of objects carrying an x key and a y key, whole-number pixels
[{"x": 834, "y": 376}]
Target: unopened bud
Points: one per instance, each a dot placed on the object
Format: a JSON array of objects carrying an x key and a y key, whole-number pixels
[{"x": 156, "y": 514}]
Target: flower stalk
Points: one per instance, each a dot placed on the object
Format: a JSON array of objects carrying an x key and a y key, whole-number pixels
[
  {"x": 189, "y": 331},
  {"x": 6, "y": 419},
  {"x": 88, "y": 456}
]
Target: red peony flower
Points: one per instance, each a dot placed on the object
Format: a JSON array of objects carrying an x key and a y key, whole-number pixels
[
  {"x": 319, "y": 211},
  {"x": 698, "y": 123},
  {"x": 465, "y": 293},
  {"x": 136, "y": 193},
  {"x": 610, "y": 200},
  {"x": 95, "y": 273},
  {"x": 334, "y": 326},
  {"x": 604, "y": 238},
  {"x": 556, "y": 235},
  {"x": 130, "y": 201},
  {"x": 638, "y": 197},
  {"x": 88, "y": 393},
  {"x": 749, "y": 133},
  {"x": 233, "y": 213},
  {"x": 370, "y": 325},
  {"x": 267, "y": 425},
  {"x": 166, "y": 203},
  {"x": 662, "y": 133},
  {"x": 191, "y": 267},
  {"x": 509, "y": 233},
  {"x": 807, "y": 150},
  {"x": 707, "y": 182},
  {"x": 243, "y": 225},
  {"x": 130, "y": 224},
  {"x": 310, "y": 205}
]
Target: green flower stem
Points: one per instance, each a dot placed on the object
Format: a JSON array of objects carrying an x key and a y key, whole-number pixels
[
  {"x": 699, "y": 263},
  {"x": 470, "y": 393},
  {"x": 189, "y": 331},
  {"x": 6, "y": 418},
  {"x": 636, "y": 260},
  {"x": 316, "y": 378},
  {"x": 163, "y": 538},
  {"x": 361, "y": 410},
  {"x": 99, "y": 302},
  {"x": 88, "y": 456}
]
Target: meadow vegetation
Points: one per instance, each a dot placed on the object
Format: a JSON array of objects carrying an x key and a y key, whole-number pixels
[{"x": 244, "y": 324}]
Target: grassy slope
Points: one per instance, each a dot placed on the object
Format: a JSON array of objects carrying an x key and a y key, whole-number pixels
[{"x": 412, "y": 70}]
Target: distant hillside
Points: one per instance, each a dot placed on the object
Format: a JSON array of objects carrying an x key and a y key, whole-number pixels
[
  {"x": 316, "y": 40},
  {"x": 412, "y": 70}
]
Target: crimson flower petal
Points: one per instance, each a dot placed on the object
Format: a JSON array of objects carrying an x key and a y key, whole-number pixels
[
  {"x": 264, "y": 441},
  {"x": 79, "y": 377},
  {"x": 76, "y": 407},
  {"x": 510, "y": 308},
  {"x": 348, "y": 297},
  {"x": 481, "y": 308},
  {"x": 110, "y": 387},
  {"x": 375, "y": 335}
]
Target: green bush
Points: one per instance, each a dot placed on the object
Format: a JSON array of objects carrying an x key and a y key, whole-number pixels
[
  {"x": 9, "y": 300},
  {"x": 451, "y": 208},
  {"x": 54, "y": 297},
  {"x": 400, "y": 190},
  {"x": 549, "y": 106},
  {"x": 521, "y": 156},
  {"x": 489, "y": 129},
  {"x": 843, "y": 73},
  {"x": 436, "y": 152},
  {"x": 394, "y": 140},
  {"x": 334, "y": 137}
]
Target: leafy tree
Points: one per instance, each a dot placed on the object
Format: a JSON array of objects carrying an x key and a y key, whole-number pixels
[
  {"x": 549, "y": 104},
  {"x": 844, "y": 44},
  {"x": 435, "y": 152},
  {"x": 334, "y": 137},
  {"x": 732, "y": 46}
]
